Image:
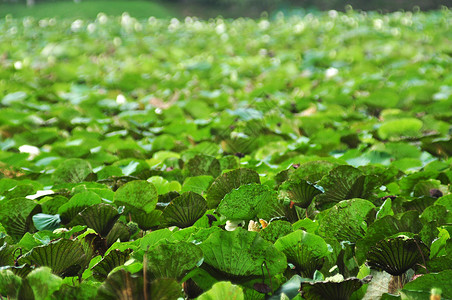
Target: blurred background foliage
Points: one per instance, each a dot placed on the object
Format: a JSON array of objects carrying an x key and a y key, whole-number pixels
[{"x": 202, "y": 8}]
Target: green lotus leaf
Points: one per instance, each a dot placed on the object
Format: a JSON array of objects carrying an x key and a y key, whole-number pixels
[
  {"x": 184, "y": 210},
  {"x": 386, "y": 227},
  {"x": 100, "y": 217},
  {"x": 203, "y": 164},
  {"x": 165, "y": 289},
  {"x": 408, "y": 182},
  {"x": 146, "y": 221},
  {"x": 343, "y": 183},
  {"x": 275, "y": 230},
  {"x": 400, "y": 128},
  {"x": 43, "y": 283},
  {"x": 223, "y": 290},
  {"x": 6, "y": 254},
  {"x": 395, "y": 256},
  {"x": 423, "y": 187},
  {"x": 123, "y": 285},
  {"x": 110, "y": 261},
  {"x": 422, "y": 286},
  {"x": 445, "y": 201},
  {"x": 46, "y": 222},
  {"x": 300, "y": 192},
  {"x": 305, "y": 250},
  {"x": 312, "y": 171},
  {"x": 173, "y": 259},
  {"x": 70, "y": 210},
  {"x": 246, "y": 202},
  {"x": 16, "y": 216},
  {"x": 86, "y": 290},
  {"x": 197, "y": 184},
  {"x": 72, "y": 170},
  {"x": 346, "y": 221},
  {"x": 227, "y": 182},
  {"x": 64, "y": 257},
  {"x": 119, "y": 231},
  {"x": 321, "y": 290},
  {"x": 21, "y": 190},
  {"x": 9, "y": 284},
  {"x": 138, "y": 194},
  {"x": 238, "y": 255}
]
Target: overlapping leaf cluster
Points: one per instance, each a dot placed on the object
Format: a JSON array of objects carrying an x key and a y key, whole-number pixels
[{"x": 131, "y": 153}]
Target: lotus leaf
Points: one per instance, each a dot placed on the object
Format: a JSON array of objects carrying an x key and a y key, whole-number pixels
[
  {"x": 321, "y": 290},
  {"x": 346, "y": 221},
  {"x": 397, "y": 255},
  {"x": 173, "y": 260},
  {"x": 123, "y": 285},
  {"x": 228, "y": 181},
  {"x": 203, "y": 165},
  {"x": 300, "y": 192},
  {"x": 76, "y": 204},
  {"x": 246, "y": 202},
  {"x": 305, "y": 250},
  {"x": 100, "y": 217},
  {"x": 110, "y": 261},
  {"x": 138, "y": 194},
  {"x": 72, "y": 170},
  {"x": 223, "y": 290},
  {"x": 184, "y": 210},
  {"x": 343, "y": 183},
  {"x": 238, "y": 255},
  {"x": 64, "y": 257}
]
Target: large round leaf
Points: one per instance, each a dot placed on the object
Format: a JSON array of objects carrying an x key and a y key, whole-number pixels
[
  {"x": 100, "y": 217},
  {"x": 223, "y": 290},
  {"x": 184, "y": 210},
  {"x": 122, "y": 285},
  {"x": 46, "y": 222},
  {"x": 300, "y": 192},
  {"x": 343, "y": 183},
  {"x": 397, "y": 255},
  {"x": 346, "y": 221},
  {"x": 76, "y": 204},
  {"x": 229, "y": 181},
  {"x": 247, "y": 202},
  {"x": 113, "y": 259},
  {"x": 64, "y": 257},
  {"x": 138, "y": 194},
  {"x": 239, "y": 255},
  {"x": 421, "y": 287},
  {"x": 305, "y": 250},
  {"x": 386, "y": 227},
  {"x": 146, "y": 220},
  {"x": 275, "y": 230},
  {"x": 72, "y": 170},
  {"x": 203, "y": 164},
  {"x": 312, "y": 171},
  {"x": 16, "y": 216},
  {"x": 173, "y": 260},
  {"x": 322, "y": 290}
]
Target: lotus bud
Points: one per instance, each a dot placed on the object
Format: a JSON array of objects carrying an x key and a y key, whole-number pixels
[
  {"x": 435, "y": 294},
  {"x": 232, "y": 225}
]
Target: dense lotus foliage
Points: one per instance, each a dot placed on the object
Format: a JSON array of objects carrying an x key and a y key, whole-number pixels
[{"x": 300, "y": 157}]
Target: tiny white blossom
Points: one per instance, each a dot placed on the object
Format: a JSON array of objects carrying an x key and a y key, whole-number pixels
[
  {"x": 331, "y": 72},
  {"x": 31, "y": 150}
]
